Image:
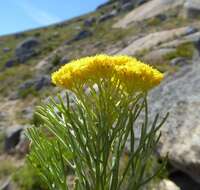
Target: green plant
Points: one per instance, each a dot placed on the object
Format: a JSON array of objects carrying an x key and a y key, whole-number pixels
[
  {"x": 27, "y": 178},
  {"x": 90, "y": 134},
  {"x": 56, "y": 60},
  {"x": 183, "y": 50},
  {"x": 6, "y": 168},
  {"x": 28, "y": 91},
  {"x": 2, "y": 138}
]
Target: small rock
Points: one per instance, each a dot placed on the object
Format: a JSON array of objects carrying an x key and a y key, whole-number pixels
[
  {"x": 166, "y": 185},
  {"x": 41, "y": 82},
  {"x": 27, "y": 84},
  {"x": 77, "y": 27},
  {"x": 2, "y": 115},
  {"x": 23, "y": 146},
  {"x": 191, "y": 30},
  {"x": 12, "y": 138},
  {"x": 19, "y": 35},
  {"x": 27, "y": 113},
  {"x": 161, "y": 17},
  {"x": 104, "y": 5},
  {"x": 55, "y": 34},
  {"x": 197, "y": 45},
  {"x": 64, "y": 60},
  {"x": 27, "y": 49},
  {"x": 6, "y": 185},
  {"x": 89, "y": 22},
  {"x": 127, "y": 6},
  {"x": 156, "y": 56},
  {"x": 80, "y": 36},
  {"x": 122, "y": 2},
  {"x": 183, "y": 181},
  {"x": 37, "y": 84},
  {"x": 179, "y": 61},
  {"x": 107, "y": 16},
  {"x": 10, "y": 63},
  {"x": 6, "y": 49},
  {"x": 140, "y": 2}
]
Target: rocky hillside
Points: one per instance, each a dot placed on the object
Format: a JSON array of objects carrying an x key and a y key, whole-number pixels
[{"x": 163, "y": 33}]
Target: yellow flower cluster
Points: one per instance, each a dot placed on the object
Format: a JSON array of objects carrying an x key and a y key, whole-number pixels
[{"x": 132, "y": 74}]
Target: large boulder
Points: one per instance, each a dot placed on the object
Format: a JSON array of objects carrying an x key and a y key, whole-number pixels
[
  {"x": 154, "y": 39},
  {"x": 148, "y": 10},
  {"x": 27, "y": 49},
  {"x": 180, "y": 96}
]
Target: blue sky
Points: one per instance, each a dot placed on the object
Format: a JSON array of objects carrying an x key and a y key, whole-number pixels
[{"x": 19, "y": 15}]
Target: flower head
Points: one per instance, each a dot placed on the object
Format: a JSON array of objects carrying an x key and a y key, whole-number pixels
[{"x": 130, "y": 73}]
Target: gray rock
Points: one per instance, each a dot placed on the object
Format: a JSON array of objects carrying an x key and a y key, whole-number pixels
[
  {"x": 107, "y": 16},
  {"x": 27, "y": 49},
  {"x": 180, "y": 96},
  {"x": 197, "y": 45},
  {"x": 12, "y": 138},
  {"x": 140, "y": 2},
  {"x": 42, "y": 82},
  {"x": 183, "y": 181},
  {"x": 80, "y": 36},
  {"x": 6, "y": 49},
  {"x": 10, "y": 63},
  {"x": 89, "y": 22},
  {"x": 179, "y": 61},
  {"x": 191, "y": 30},
  {"x": 27, "y": 84},
  {"x": 64, "y": 60},
  {"x": 3, "y": 115},
  {"x": 37, "y": 84},
  {"x": 19, "y": 35},
  {"x": 6, "y": 185},
  {"x": 166, "y": 185},
  {"x": 104, "y": 5},
  {"x": 192, "y": 8},
  {"x": 152, "y": 40},
  {"x": 28, "y": 113},
  {"x": 156, "y": 56},
  {"x": 55, "y": 34},
  {"x": 148, "y": 10},
  {"x": 161, "y": 17},
  {"x": 127, "y": 6}
]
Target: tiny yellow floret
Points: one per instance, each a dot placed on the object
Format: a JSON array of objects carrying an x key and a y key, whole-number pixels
[{"x": 132, "y": 75}]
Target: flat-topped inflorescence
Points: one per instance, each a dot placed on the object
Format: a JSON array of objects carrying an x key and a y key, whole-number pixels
[{"x": 131, "y": 74}]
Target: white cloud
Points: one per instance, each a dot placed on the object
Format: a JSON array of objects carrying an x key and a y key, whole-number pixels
[{"x": 38, "y": 15}]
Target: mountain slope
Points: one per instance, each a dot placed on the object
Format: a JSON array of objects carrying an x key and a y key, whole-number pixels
[{"x": 163, "y": 37}]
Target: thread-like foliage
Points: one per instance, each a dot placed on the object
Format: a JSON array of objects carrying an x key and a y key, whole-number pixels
[{"x": 90, "y": 136}]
